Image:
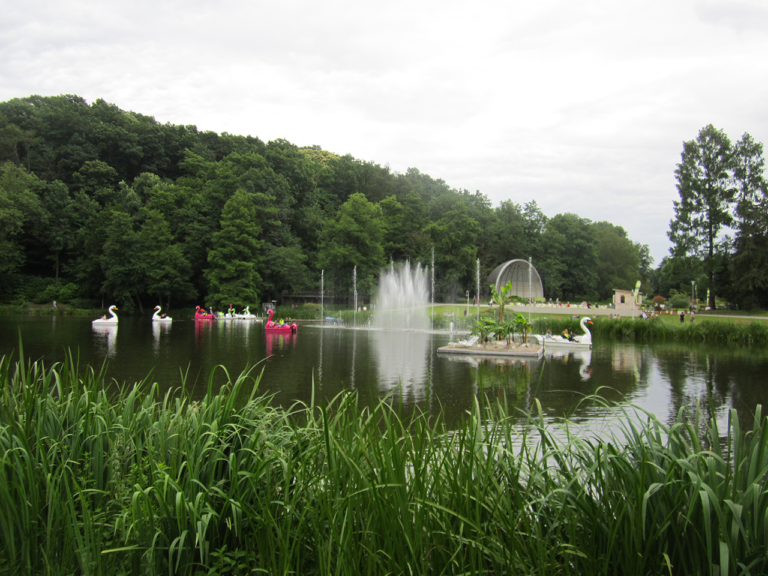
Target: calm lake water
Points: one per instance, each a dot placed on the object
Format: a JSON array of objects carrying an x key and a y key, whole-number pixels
[{"x": 660, "y": 378}]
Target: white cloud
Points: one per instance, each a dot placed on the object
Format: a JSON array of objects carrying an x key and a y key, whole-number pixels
[{"x": 581, "y": 106}]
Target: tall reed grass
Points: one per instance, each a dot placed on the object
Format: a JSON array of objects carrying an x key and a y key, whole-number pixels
[
  {"x": 96, "y": 479},
  {"x": 658, "y": 329}
]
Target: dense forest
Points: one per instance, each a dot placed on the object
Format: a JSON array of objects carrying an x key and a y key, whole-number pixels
[{"x": 98, "y": 204}]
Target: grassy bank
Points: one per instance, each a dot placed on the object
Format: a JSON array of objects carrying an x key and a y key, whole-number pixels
[
  {"x": 13, "y": 309},
  {"x": 661, "y": 329},
  {"x": 127, "y": 482}
]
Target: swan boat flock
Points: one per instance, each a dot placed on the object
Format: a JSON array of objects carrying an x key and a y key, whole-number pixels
[{"x": 201, "y": 314}]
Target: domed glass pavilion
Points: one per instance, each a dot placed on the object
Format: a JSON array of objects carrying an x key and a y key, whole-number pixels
[{"x": 517, "y": 272}]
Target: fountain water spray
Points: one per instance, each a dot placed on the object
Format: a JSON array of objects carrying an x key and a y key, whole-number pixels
[
  {"x": 354, "y": 288},
  {"x": 478, "y": 289},
  {"x": 432, "y": 271},
  {"x": 403, "y": 298},
  {"x": 322, "y": 295}
]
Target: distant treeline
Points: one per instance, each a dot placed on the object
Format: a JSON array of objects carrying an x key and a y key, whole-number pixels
[{"x": 98, "y": 203}]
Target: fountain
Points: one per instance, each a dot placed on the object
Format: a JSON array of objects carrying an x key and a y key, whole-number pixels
[
  {"x": 403, "y": 299},
  {"x": 401, "y": 344},
  {"x": 354, "y": 288},
  {"x": 432, "y": 271},
  {"x": 478, "y": 289}
]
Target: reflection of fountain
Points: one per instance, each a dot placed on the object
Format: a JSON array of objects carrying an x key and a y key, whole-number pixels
[
  {"x": 403, "y": 299},
  {"x": 402, "y": 359},
  {"x": 354, "y": 288},
  {"x": 106, "y": 335}
]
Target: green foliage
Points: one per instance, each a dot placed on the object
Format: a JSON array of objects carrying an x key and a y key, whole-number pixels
[
  {"x": 618, "y": 260},
  {"x": 233, "y": 277},
  {"x": 502, "y": 298},
  {"x": 455, "y": 238},
  {"x": 680, "y": 301},
  {"x": 353, "y": 239},
  {"x": 579, "y": 250},
  {"x": 484, "y": 328},
  {"x": 70, "y": 167},
  {"x": 721, "y": 184},
  {"x": 133, "y": 482}
]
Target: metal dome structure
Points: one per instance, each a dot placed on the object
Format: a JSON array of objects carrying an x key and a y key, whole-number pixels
[{"x": 517, "y": 272}]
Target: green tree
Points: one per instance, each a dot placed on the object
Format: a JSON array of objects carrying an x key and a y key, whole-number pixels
[
  {"x": 578, "y": 253},
  {"x": 705, "y": 184},
  {"x": 21, "y": 213},
  {"x": 233, "y": 276},
  {"x": 167, "y": 269},
  {"x": 353, "y": 238},
  {"x": 58, "y": 230},
  {"x": 455, "y": 238},
  {"x": 750, "y": 260},
  {"x": 124, "y": 269},
  {"x": 618, "y": 261}
]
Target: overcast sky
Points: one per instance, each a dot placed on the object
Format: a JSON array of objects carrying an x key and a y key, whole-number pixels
[{"x": 581, "y": 106}]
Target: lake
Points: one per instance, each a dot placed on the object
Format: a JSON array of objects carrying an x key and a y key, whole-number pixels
[{"x": 659, "y": 377}]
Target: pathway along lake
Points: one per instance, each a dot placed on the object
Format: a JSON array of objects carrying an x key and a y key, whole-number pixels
[{"x": 659, "y": 377}]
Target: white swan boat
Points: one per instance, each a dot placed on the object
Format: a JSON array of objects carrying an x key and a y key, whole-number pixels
[
  {"x": 579, "y": 342},
  {"x": 246, "y": 315},
  {"x": 111, "y": 321},
  {"x": 157, "y": 318}
]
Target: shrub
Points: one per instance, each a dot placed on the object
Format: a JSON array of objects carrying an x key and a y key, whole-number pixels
[
  {"x": 61, "y": 292},
  {"x": 658, "y": 300},
  {"x": 680, "y": 301}
]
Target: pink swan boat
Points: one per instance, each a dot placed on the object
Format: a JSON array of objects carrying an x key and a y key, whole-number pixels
[
  {"x": 202, "y": 315},
  {"x": 276, "y": 327}
]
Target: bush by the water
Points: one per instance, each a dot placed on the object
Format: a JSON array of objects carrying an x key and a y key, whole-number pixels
[{"x": 95, "y": 480}]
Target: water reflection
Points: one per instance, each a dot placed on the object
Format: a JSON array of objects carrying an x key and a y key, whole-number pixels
[
  {"x": 402, "y": 361},
  {"x": 581, "y": 357},
  {"x": 278, "y": 343},
  {"x": 662, "y": 378},
  {"x": 105, "y": 339},
  {"x": 158, "y": 329}
]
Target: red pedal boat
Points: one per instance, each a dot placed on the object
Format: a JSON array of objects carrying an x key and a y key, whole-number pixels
[
  {"x": 280, "y": 328},
  {"x": 202, "y": 315}
]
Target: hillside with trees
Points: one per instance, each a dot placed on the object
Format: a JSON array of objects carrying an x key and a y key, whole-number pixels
[{"x": 99, "y": 204}]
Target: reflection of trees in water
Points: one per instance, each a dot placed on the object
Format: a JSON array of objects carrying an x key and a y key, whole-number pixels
[
  {"x": 615, "y": 372},
  {"x": 729, "y": 375}
]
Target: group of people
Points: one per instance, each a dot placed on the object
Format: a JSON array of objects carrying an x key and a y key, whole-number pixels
[{"x": 567, "y": 334}]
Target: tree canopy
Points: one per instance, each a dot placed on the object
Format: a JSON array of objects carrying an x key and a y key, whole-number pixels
[{"x": 130, "y": 210}]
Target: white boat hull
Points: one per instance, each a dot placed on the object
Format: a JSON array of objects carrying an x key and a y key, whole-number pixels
[{"x": 567, "y": 344}]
